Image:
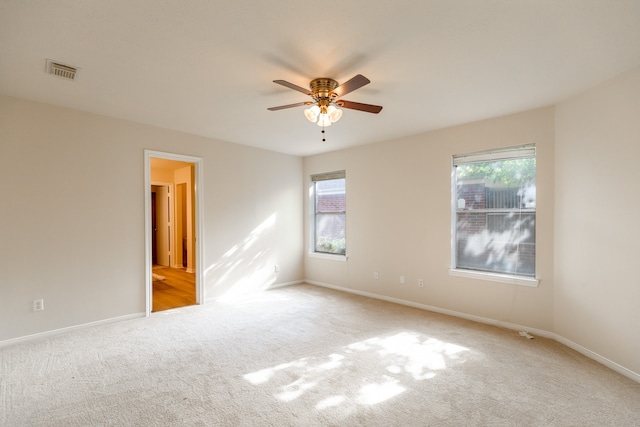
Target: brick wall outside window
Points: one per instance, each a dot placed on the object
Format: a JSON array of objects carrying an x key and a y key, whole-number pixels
[{"x": 498, "y": 238}]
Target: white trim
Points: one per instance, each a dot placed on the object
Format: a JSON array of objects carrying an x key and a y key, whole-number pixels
[
  {"x": 332, "y": 257},
  {"x": 453, "y": 209},
  {"x": 69, "y": 329},
  {"x": 511, "y": 326},
  {"x": 199, "y": 228},
  {"x": 495, "y": 277},
  {"x": 598, "y": 358},
  {"x": 439, "y": 310}
]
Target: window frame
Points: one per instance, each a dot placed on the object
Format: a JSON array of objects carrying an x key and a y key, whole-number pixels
[
  {"x": 507, "y": 153},
  {"x": 313, "y": 215}
]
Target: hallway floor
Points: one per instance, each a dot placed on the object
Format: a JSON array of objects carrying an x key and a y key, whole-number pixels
[{"x": 176, "y": 288}]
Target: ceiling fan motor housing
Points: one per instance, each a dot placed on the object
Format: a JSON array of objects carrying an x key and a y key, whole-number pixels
[{"x": 323, "y": 87}]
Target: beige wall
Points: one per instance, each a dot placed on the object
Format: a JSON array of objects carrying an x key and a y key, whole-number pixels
[
  {"x": 597, "y": 295},
  {"x": 399, "y": 220},
  {"x": 72, "y": 215}
]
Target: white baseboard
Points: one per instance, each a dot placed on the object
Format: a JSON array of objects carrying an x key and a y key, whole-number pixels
[
  {"x": 69, "y": 329},
  {"x": 598, "y": 358},
  {"x": 512, "y": 326}
]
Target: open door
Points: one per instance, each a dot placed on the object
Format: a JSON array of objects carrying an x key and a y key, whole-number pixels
[{"x": 161, "y": 224}]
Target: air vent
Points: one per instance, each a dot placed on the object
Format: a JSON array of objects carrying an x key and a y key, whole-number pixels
[{"x": 62, "y": 70}]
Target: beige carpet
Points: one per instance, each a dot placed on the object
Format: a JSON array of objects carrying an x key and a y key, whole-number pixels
[{"x": 307, "y": 356}]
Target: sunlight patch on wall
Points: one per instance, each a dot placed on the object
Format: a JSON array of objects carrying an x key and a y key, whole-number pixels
[{"x": 245, "y": 267}]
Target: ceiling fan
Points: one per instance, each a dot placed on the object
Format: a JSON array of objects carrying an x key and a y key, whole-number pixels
[{"x": 327, "y": 97}]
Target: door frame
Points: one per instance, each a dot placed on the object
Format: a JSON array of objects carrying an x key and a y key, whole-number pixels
[{"x": 199, "y": 229}]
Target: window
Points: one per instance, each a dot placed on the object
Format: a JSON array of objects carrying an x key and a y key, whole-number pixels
[
  {"x": 494, "y": 211},
  {"x": 329, "y": 212}
]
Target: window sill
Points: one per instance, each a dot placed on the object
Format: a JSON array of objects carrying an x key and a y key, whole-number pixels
[
  {"x": 331, "y": 257},
  {"x": 495, "y": 277}
]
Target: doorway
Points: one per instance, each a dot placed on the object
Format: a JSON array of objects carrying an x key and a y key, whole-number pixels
[{"x": 173, "y": 232}]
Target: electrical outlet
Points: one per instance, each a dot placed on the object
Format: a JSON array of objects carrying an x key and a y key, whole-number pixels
[
  {"x": 276, "y": 268},
  {"x": 421, "y": 283},
  {"x": 38, "y": 304},
  {"x": 376, "y": 275},
  {"x": 402, "y": 280}
]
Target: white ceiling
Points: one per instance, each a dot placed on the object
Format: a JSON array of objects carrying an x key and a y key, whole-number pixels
[{"x": 206, "y": 67}]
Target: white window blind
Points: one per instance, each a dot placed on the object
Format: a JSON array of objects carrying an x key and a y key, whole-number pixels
[
  {"x": 519, "y": 152},
  {"x": 494, "y": 211}
]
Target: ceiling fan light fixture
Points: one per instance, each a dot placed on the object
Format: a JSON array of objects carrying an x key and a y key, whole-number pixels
[
  {"x": 334, "y": 113},
  {"x": 310, "y": 116},
  {"x": 324, "y": 120},
  {"x": 312, "y": 113},
  {"x": 327, "y": 104}
]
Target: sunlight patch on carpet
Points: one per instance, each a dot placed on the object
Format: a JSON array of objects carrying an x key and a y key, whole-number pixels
[
  {"x": 420, "y": 357},
  {"x": 330, "y": 401},
  {"x": 375, "y": 370},
  {"x": 372, "y": 394}
]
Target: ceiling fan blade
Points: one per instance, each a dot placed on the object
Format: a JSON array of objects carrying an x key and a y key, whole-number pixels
[
  {"x": 350, "y": 85},
  {"x": 294, "y": 87},
  {"x": 375, "y": 109},
  {"x": 282, "y": 107}
]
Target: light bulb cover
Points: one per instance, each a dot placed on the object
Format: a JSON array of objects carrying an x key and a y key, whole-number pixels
[
  {"x": 334, "y": 114},
  {"x": 310, "y": 115},
  {"x": 324, "y": 120}
]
